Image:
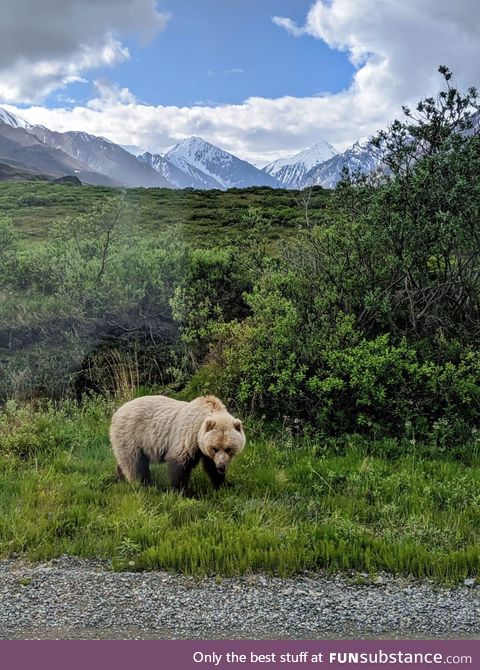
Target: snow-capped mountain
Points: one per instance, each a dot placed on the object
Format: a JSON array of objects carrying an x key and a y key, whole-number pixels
[
  {"x": 12, "y": 120},
  {"x": 186, "y": 176},
  {"x": 192, "y": 163},
  {"x": 290, "y": 172},
  {"x": 201, "y": 160},
  {"x": 359, "y": 157},
  {"x": 103, "y": 156},
  {"x": 26, "y": 154}
]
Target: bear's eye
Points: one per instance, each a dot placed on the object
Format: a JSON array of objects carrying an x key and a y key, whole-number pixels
[
  {"x": 215, "y": 450},
  {"x": 228, "y": 450}
]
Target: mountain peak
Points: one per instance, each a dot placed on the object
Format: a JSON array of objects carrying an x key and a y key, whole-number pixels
[
  {"x": 192, "y": 144},
  {"x": 318, "y": 153},
  {"x": 290, "y": 171},
  {"x": 220, "y": 169},
  {"x": 12, "y": 119},
  {"x": 357, "y": 158},
  {"x": 193, "y": 139},
  {"x": 197, "y": 152}
]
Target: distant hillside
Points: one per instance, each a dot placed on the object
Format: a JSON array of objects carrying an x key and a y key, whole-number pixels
[
  {"x": 10, "y": 173},
  {"x": 195, "y": 163},
  {"x": 23, "y": 151},
  {"x": 191, "y": 163},
  {"x": 358, "y": 158},
  {"x": 104, "y": 157}
]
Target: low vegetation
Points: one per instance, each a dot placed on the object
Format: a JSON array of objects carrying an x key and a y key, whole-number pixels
[{"x": 295, "y": 505}]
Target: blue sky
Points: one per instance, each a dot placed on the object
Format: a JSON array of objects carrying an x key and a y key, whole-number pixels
[
  {"x": 224, "y": 51},
  {"x": 332, "y": 70}
]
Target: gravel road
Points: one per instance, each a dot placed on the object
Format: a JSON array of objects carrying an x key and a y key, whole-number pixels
[{"x": 72, "y": 598}]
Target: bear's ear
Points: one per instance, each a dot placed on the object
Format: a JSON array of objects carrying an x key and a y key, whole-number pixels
[
  {"x": 237, "y": 424},
  {"x": 209, "y": 425}
]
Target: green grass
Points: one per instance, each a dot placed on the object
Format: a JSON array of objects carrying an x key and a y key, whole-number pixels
[
  {"x": 202, "y": 216},
  {"x": 292, "y": 508}
]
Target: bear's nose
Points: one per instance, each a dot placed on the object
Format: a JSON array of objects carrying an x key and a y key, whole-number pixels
[{"x": 221, "y": 468}]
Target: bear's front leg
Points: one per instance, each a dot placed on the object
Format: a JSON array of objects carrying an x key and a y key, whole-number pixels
[
  {"x": 217, "y": 478},
  {"x": 180, "y": 475}
]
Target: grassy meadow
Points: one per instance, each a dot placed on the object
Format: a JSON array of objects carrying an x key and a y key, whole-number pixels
[
  {"x": 299, "y": 502},
  {"x": 201, "y": 216},
  {"x": 352, "y": 505}
]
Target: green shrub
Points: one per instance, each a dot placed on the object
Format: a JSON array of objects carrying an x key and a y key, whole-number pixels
[
  {"x": 29, "y": 433},
  {"x": 369, "y": 386}
]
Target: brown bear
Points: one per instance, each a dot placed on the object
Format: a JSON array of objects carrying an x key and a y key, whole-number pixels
[{"x": 156, "y": 428}]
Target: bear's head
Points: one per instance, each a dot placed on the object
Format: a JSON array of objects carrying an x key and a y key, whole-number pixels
[{"x": 220, "y": 438}]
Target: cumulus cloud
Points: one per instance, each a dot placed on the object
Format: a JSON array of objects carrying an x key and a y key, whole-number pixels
[
  {"x": 396, "y": 48},
  {"x": 44, "y": 46}
]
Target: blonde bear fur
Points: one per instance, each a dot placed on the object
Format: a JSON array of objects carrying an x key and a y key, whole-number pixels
[{"x": 155, "y": 428}]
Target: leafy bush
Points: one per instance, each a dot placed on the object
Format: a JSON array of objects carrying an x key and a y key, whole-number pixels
[
  {"x": 370, "y": 319},
  {"x": 210, "y": 292},
  {"x": 26, "y": 433},
  {"x": 373, "y": 386}
]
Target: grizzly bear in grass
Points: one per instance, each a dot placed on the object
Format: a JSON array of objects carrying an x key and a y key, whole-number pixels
[{"x": 152, "y": 429}]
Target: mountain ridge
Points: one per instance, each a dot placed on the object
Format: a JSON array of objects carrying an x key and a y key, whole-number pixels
[
  {"x": 191, "y": 163},
  {"x": 23, "y": 151},
  {"x": 103, "y": 156}
]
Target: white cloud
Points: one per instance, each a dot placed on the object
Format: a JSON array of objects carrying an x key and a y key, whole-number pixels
[
  {"x": 45, "y": 48},
  {"x": 234, "y": 70},
  {"x": 396, "y": 47},
  {"x": 289, "y": 25},
  {"x": 110, "y": 94}
]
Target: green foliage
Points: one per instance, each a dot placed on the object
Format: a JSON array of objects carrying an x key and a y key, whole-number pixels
[
  {"x": 202, "y": 217},
  {"x": 370, "y": 320},
  {"x": 8, "y": 249},
  {"x": 343, "y": 382},
  {"x": 352, "y": 311},
  {"x": 209, "y": 292},
  {"x": 421, "y": 219},
  {"x": 26, "y": 433},
  {"x": 93, "y": 285}
]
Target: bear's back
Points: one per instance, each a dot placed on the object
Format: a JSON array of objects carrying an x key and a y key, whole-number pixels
[
  {"x": 208, "y": 403},
  {"x": 148, "y": 406}
]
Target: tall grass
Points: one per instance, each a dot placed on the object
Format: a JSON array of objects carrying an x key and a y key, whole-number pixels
[{"x": 116, "y": 372}]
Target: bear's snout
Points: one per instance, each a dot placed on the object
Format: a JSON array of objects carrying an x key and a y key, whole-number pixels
[{"x": 221, "y": 460}]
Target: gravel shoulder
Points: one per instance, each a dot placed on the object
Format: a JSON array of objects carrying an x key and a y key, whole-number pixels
[{"x": 73, "y": 598}]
